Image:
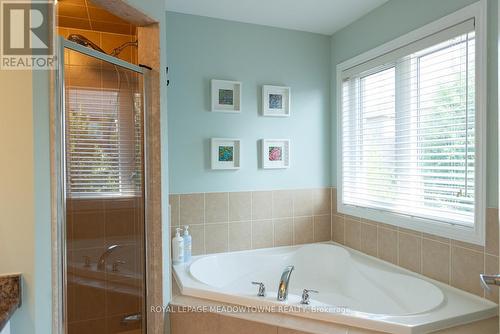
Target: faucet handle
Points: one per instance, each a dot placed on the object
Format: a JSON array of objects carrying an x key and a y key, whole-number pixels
[
  {"x": 116, "y": 264},
  {"x": 262, "y": 289},
  {"x": 487, "y": 280},
  {"x": 306, "y": 298},
  {"x": 86, "y": 258}
]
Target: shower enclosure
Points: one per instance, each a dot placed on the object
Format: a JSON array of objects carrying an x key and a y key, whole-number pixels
[{"x": 101, "y": 192}]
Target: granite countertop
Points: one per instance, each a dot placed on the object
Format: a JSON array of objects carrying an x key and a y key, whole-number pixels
[{"x": 10, "y": 296}]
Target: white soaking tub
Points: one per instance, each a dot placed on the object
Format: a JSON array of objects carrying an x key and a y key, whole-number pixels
[{"x": 354, "y": 289}]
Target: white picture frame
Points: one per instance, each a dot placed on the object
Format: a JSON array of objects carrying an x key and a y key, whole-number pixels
[
  {"x": 225, "y": 96},
  {"x": 276, "y": 101},
  {"x": 275, "y": 153},
  {"x": 225, "y": 153}
]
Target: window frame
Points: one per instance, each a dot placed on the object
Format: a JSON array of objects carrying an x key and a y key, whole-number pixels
[{"x": 475, "y": 234}]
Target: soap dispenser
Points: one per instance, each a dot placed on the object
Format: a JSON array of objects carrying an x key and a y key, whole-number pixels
[
  {"x": 177, "y": 248},
  {"x": 187, "y": 244}
]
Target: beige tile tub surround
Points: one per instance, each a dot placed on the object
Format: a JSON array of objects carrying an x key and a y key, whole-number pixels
[
  {"x": 232, "y": 221},
  {"x": 449, "y": 261},
  {"x": 221, "y": 222}
]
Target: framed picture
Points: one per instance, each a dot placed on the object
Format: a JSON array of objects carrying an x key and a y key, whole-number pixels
[
  {"x": 225, "y": 153},
  {"x": 275, "y": 101},
  {"x": 275, "y": 153},
  {"x": 226, "y": 96}
]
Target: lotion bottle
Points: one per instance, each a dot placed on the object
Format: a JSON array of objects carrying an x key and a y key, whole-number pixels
[
  {"x": 177, "y": 248},
  {"x": 187, "y": 244}
]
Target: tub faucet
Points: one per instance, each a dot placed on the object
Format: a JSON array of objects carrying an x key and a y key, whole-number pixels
[
  {"x": 101, "y": 264},
  {"x": 285, "y": 279}
]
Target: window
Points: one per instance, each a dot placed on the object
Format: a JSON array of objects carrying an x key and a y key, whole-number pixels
[
  {"x": 103, "y": 145},
  {"x": 410, "y": 133}
]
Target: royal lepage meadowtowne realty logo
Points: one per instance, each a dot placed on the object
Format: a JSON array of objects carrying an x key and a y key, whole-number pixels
[{"x": 26, "y": 35}]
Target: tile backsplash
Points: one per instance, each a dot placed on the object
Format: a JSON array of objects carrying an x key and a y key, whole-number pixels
[
  {"x": 221, "y": 222},
  {"x": 231, "y": 221}
]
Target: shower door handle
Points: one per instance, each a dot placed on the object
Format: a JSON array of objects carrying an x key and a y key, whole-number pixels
[
  {"x": 114, "y": 267},
  {"x": 487, "y": 280}
]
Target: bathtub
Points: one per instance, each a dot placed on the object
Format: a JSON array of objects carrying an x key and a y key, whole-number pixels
[{"x": 354, "y": 289}]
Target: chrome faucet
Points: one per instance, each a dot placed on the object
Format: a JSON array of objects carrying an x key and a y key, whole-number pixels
[
  {"x": 285, "y": 279},
  {"x": 101, "y": 264}
]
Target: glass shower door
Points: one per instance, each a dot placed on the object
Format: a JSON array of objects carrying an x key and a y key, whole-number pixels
[{"x": 104, "y": 194}]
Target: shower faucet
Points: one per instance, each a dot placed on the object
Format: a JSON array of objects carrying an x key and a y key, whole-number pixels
[
  {"x": 101, "y": 264},
  {"x": 283, "y": 286}
]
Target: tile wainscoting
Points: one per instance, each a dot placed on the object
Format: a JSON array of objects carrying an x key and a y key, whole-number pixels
[
  {"x": 231, "y": 221},
  {"x": 450, "y": 261},
  {"x": 221, "y": 222}
]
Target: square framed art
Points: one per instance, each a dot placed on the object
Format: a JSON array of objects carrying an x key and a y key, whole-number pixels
[
  {"x": 275, "y": 153},
  {"x": 225, "y": 153},
  {"x": 226, "y": 96},
  {"x": 275, "y": 101}
]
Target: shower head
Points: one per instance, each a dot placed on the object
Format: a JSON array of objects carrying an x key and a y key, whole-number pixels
[
  {"x": 82, "y": 40},
  {"x": 122, "y": 47}
]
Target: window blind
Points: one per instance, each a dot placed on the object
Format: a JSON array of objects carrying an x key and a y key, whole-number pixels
[
  {"x": 408, "y": 129},
  {"x": 103, "y": 143}
]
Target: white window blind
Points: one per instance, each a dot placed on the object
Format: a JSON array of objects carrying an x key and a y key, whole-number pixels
[
  {"x": 408, "y": 138},
  {"x": 103, "y": 143}
]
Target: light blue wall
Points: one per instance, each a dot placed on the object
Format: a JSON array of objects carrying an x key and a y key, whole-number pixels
[
  {"x": 43, "y": 244},
  {"x": 35, "y": 314},
  {"x": 398, "y": 17},
  {"x": 200, "y": 49}
]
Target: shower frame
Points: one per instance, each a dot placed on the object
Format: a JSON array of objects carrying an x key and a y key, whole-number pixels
[{"x": 60, "y": 171}]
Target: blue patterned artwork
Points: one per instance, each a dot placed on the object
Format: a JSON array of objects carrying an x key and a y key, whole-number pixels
[
  {"x": 226, "y": 153},
  {"x": 226, "y": 97},
  {"x": 275, "y": 101}
]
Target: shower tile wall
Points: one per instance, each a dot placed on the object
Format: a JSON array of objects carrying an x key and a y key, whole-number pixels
[
  {"x": 92, "y": 226},
  {"x": 221, "y": 222}
]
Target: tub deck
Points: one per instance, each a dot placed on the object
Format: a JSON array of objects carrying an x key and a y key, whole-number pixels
[{"x": 371, "y": 294}]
